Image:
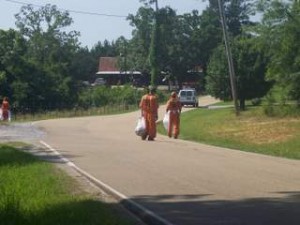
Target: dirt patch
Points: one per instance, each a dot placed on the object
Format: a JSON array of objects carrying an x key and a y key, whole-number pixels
[{"x": 260, "y": 131}]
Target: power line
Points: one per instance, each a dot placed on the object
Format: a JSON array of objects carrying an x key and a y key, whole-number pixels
[{"x": 68, "y": 10}]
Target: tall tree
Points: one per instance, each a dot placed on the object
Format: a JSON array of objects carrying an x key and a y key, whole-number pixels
[
  {"x": 279, "y": 33},
  {"x": 154, "y": 44},
  {"x": 50, "y": 52},
  {"x": 139, "y": 45},
  {"x": 154, "y": 51},
  {"x": 182, "y": 43},
  {"x": 249, "y": 61},
  {"x": 12, "y": 66},
  {"x": 177, "y": 49},
  {"x": 250, "y": 65}
]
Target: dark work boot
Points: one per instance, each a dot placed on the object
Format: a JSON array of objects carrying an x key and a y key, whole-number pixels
[{"x": 144, "y": 137}]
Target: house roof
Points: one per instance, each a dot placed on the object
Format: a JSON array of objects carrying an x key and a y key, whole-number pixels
[
  {"x": 108, "y": 64},
  {"x": 118, "y": 72}
]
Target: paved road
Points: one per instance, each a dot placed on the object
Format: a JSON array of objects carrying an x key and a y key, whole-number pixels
[{"x": 182, "y": 182}]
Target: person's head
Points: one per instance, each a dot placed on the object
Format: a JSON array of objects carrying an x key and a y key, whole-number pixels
[
  {"x": 151, "y": 89},
  {"x": 173, "y": 94},
  {"x": 5, "y": 99}
]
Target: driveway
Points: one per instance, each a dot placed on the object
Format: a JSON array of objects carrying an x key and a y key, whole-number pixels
[{"x": 176, "y": 181}]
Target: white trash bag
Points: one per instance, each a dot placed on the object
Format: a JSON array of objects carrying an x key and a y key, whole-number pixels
[
  {"x": 166, "y": 120},
  {"x": 9, "y": 115},
  {"x": 140, "y": 128}
]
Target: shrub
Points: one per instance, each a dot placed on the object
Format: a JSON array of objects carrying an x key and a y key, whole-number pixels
[
  {"x": 256, "y": 101},
  {"x": 103, "y": 95}
]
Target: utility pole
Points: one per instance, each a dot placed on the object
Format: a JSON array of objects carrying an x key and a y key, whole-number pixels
[
  {"x": 156, "y": 5},
  {"x": 153, "y": 47},
  {"x": 229, "y": 58}
]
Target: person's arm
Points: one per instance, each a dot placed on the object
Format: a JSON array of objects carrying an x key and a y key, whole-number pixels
[
  {"x": 168, "y": 106},
  {"x": 179, "y": 106},
  {"x": 141, "y": 105},
  {"x": 156, "y": 108}
]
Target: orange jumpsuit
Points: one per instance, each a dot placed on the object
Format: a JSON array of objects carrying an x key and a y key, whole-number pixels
[
  {"x": 149, "y": 108},
  {"x": 174, "y": 106},
  {"x": 5, "y": 108}
]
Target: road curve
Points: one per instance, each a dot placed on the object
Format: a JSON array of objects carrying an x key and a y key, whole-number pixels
[{"x": 182, "y": 182}]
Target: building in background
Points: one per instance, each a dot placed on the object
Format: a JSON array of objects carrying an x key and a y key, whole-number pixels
[{"x": 110, "y": 71}]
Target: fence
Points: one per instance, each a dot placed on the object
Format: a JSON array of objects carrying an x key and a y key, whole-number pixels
[{"x": 20, "y": 116}]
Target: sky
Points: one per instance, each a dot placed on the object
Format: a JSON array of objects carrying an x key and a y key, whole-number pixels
[{"x": 94, "y": 28}]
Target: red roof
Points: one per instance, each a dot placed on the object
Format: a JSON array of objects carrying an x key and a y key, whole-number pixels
[{"x": 108, "y": 64}]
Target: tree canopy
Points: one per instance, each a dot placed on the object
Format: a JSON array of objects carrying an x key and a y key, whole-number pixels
[{"x": 42, "y": 66}]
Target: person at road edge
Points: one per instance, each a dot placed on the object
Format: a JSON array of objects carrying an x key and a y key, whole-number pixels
[{"x": 173, "y": 107}]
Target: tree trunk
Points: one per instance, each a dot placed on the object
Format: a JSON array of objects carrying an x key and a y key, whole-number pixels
[{"x": 242, "y": 104}]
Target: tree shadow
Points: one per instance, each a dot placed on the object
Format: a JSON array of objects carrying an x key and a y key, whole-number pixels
[
  {"x": 10, "y": 157},
  {"x": 48, "y": 155},
  {"x": 196, "y": 210},
  {"x": 85, "y": 212},
  {"x": 28, "y": 154}
]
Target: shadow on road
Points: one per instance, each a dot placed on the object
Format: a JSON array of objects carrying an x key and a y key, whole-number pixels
[{"x": 191, "y": 210}]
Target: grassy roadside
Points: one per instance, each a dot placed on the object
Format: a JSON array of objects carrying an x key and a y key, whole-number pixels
[
  {"x": 34, "y": 192},
  {"x": 252, "y": 131},
  {"x": 94, "y": 111}
]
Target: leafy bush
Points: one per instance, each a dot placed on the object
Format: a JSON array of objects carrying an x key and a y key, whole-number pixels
[
  {"x": 123, "y": 95},
  {"x": 256, "y": 101},
  {"x": 282, "y": 111},
  {"x": 279, "y": 106},
  {"x": 103, "y": 95}
]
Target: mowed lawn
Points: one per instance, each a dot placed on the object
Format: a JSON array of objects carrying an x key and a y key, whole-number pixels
[
  {"x": 251, "y": 131},
  {"x": 34, "y": 192}
]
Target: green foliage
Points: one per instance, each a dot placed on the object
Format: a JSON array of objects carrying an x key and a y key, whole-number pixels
[
  {"x": 256, "y": 101},
  {"x": 43, "y": 67},
  {"x": 139, "y": 46},
  {"x": 153, "y": 55},
  {"x": 209, "y": 36},
  {"x": 103, "y": 95},
  {"x": 218, "y": 83},
  {"x": 12, "y": 60},
  {"x": 43, "y": 78},
  {"x": 279, "y": 32},
  {"x": 279, "y": 105},
  {"x": 280, "y": 111},
  {"x": 181, "y": 44},
  {"x": 250, "y": 66},
  {"x": 33, "y": 192}
]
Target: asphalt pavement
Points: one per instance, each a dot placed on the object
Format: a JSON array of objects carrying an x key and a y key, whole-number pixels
[{"x": 170, "y": 181}]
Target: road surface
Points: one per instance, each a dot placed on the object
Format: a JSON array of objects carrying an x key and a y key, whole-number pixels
[{"x": 179, "y": 182}]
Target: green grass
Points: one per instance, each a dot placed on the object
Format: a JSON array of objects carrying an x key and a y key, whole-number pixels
[
  {"x": 33, "y": 192},
  {"x": 252, "y": 131}
]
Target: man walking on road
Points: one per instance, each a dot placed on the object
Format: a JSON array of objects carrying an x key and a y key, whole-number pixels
[
  {"x": 174, "y": 110},
  {"x": 149, "y": 108}
]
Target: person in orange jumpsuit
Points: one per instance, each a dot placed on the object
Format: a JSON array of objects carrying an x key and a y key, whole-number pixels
[
  {"x": 149, "y": 109},
  {"x": 174, "y": 108},
  {"x": 5, "y": 109}
]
